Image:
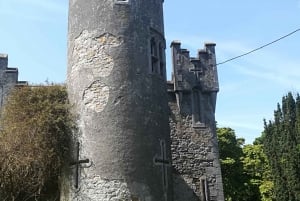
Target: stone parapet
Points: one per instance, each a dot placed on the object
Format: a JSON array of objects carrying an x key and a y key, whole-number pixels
[{"x": 192, "y": 101}]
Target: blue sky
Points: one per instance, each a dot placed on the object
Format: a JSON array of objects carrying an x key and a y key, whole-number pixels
[{"x": 33, "y": 33}]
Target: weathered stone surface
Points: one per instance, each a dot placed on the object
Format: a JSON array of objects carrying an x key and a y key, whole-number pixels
[
  {"x": 119, "y": 95},
  {"x": 192, "y": 101},
  {"x": 95, "y": 96},
  {"x": 109, "y": 190},
  {"x": 91, "y": 53}
]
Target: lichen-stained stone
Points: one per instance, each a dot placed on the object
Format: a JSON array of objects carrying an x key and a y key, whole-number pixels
[
  {"x": 192, "y": 100},
  {"x": 90, "y": 52},
  {"x": 118, "y": 92},
  {"x": 107, "y": 190},
  {"x": 95, "y": 97}
]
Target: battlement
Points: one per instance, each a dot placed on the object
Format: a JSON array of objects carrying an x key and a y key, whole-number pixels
[
  {"x": 194, "y": 78},
  {"x": 11, "y": 70},
  {"x": 3, "y": 61},
  {"x": 8, "y": 78},
  {"x": 22, "y": 83},
  {"x": 194, "y": 72},
  {"x": 192, "y": 100},
  {"x": 3, "y": 55}
]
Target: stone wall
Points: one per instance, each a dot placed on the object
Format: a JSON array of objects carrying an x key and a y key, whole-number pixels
[
  {"x": 194, "y": 157},
  {"x": 192, "y": 100}
]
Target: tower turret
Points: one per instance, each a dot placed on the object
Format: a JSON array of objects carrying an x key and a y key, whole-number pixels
[
  {"x": 192, "y": 99},
  {"x": 117, "y": 83}
]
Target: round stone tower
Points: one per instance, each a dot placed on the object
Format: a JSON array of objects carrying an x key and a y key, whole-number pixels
[{"x": 117, "y": 84}]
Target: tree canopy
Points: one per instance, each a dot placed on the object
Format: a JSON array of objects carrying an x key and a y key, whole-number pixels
[
  {"x": 282, "y": 146},
  {"x": 245, "y": 169}
]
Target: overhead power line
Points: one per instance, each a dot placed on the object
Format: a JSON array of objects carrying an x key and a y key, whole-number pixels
[{"x": 261, "y": 47}]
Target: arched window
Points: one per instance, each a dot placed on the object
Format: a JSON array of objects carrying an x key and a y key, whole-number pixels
[{"x": 157, "y": 52}]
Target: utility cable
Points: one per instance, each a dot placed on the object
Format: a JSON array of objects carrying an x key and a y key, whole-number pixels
[{"x": 261, "y": 47}]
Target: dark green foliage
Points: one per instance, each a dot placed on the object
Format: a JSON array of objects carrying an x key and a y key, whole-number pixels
[
  {"x": 234, "y": 180},
  {"x": 282, "y": 141},
  {"x": 34, "y": 143}
]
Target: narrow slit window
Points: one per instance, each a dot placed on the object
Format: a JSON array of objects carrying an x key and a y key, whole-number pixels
[
  {"x": 161, "y": 69},
  {"x": 161, "y": 60},
  {"x": 160, "y": 52},
  {"x": 204, "y": 189},
  {"x": 153, "y": 47},
  {"x": 197, "y": 109},
  {"x": 154, "y": 58}
]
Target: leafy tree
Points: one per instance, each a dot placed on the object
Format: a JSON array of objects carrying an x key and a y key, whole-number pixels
[
  {"x": 245, "y": 168},
  {"x": 256, "y": 167},
  {"x": 34, "y": 142},
  {"x": 234, "y": 179},
  {"x": 282, "y": 142}
]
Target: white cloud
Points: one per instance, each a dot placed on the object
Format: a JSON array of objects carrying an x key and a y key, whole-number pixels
[
  {"x": 254, "y": 80},
  {"x": 278, "y": 71},
  {"x": 265, "y": 65}
]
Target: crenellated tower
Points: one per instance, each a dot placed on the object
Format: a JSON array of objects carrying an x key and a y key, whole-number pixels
[{"x": 192, "y": 100}]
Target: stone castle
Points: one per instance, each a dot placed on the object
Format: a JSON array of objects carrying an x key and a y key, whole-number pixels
[
  {"x": 141, "y": 138},
  {"x": 192, "y": 100}
]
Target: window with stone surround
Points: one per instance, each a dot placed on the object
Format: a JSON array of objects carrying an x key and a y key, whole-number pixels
[
  {"x": 157, "y": 59},
  {"x": 197, "y": 109}
]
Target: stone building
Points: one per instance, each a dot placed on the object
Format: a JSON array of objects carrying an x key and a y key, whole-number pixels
[
  {"x": 192, "y": 96},
  {"x": 140, "y": 137},
  {"x": 8, "y": 78},
  {"x": 116, "y": 81},
  {"x": 192, "y": 101}
]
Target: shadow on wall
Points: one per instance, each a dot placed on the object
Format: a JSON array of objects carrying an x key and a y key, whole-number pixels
[{"x": 186, "y": 192}]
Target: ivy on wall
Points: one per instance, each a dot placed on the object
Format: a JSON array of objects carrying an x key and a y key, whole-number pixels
[{"x": 36, "y": 129}]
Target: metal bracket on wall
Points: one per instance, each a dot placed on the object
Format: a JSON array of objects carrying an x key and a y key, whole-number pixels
[{"x": 77, "y": 164}]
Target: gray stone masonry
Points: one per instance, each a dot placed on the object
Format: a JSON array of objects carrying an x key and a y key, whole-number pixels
[
  {"x": 116, "y": 81},
  {"x": 8, "y": 79},
  {"x": 192, "y": 100},
  {"x": 132, "y": 144}
]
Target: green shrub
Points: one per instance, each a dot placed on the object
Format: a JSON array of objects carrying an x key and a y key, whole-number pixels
[{"x": 36, "y": 128}]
